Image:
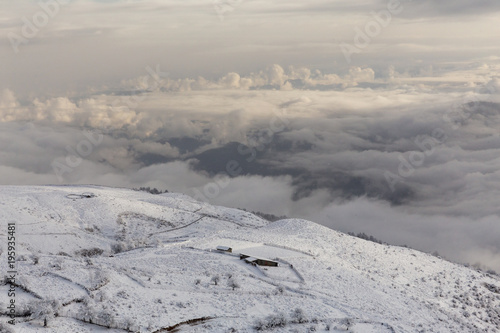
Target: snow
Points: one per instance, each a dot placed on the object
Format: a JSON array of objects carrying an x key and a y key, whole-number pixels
[
  {"x": 250, "y": 259},
  {"x": 159, "y": 259}
]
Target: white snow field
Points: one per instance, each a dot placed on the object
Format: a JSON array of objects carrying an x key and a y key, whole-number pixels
[{"x": 97, "y": 259}]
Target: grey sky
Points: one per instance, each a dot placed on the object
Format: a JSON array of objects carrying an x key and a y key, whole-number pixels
[{"x": 93, "y": 43}]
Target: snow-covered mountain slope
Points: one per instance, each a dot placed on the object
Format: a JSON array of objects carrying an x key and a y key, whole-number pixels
[{"x": 89, "y": 258}]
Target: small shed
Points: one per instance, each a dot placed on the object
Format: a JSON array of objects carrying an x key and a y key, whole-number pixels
[
  {"x": 224, "y": 248},
  {"x": 266, "y": 262},
  {"x": 258, "y": 261}
]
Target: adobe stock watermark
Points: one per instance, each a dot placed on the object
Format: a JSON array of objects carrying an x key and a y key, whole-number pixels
[
  {"x": 427, "y": 145},
  {"x": 224, "y": 7},
  {"x": 277, "y": 124},
  {"x": 32, "y": 26},
  {"x": 372, "y": 29},
  {"x": 458, "y": 114},
  {"x": 76, "y": 155},
  {"x": 11, "y": 271}
]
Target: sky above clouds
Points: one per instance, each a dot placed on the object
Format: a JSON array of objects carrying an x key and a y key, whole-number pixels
[
  {"x": 368, "y": 116},
  {"x": 98, "y": 43}
]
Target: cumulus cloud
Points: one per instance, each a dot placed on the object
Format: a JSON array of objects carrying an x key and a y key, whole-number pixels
[{"x": 274, "y": 76}]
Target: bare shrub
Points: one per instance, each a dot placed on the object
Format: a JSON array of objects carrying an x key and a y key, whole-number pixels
[
  {"x": 98, "y": 278},
  {"x": 271, "y": 322},
  {"x": 119, "y": 247},
  {"x": 299, "y": 316},
  {"x": 105, "y": 318},
  {"x": 93, "y": 252},
  {"x": 215, "y": 279},
  {"x": 44, "y": 310},
  {"x": 232, "y": 283}
]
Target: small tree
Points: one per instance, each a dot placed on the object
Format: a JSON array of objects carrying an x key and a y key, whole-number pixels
[
  {"x": 118, "y": 247},
  {"x": 215, "y": 279},
  {"x": 346, "y": 323},
  {"x": 88, "y": 315},
  {"x": 105, "y": 318},
  {"x": 299, "y": 316},
  {"x": 232, "y": 283},
  {"x": 93, "y": 252},
  {"x": 129, "y": 324},
  {"x": 87, "y": 312},
  {"x": 44, "y": 310},
  {"x": 98, "y": 278},
  {"x": 277, "y": 320},
  {"x": 271, "y": 322}
]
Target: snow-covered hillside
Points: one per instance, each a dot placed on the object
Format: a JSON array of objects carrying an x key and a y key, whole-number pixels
[{"x": 89, "y": 258}]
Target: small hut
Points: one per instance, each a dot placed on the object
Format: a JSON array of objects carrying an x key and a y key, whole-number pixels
[
  {"x": 224, "y": 248},
  {"x": 266, "y": 262},
  {"x": 258, "y": 261}
]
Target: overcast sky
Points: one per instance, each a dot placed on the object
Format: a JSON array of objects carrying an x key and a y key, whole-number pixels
[
  {"x": 93, "y": 43},
  {"x": 367, "y": 116}
]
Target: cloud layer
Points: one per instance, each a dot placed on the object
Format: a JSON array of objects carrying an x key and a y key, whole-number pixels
[{"x": 418, "y": 152}]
